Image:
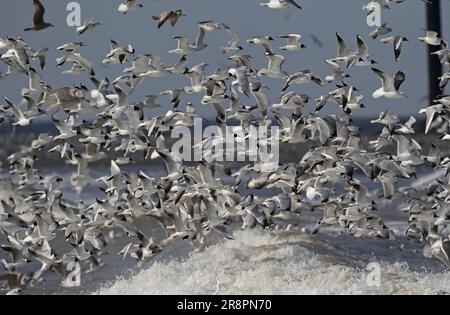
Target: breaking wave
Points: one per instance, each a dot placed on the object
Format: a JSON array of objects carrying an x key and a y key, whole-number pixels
[{"x": 258, "y": 262}]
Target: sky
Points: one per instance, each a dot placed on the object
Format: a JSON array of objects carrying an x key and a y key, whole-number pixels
[{"x": 247, "y": 18}]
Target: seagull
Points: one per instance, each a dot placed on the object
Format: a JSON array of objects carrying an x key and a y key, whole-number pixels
[
  {"x": 383, "y": 29},
  {"x": 145, "y": 63},
  {"x": 348, "y": 98},
  {"x": 87, "y": 26},
  {"x": 17, "y": 60},
  {"x": 387, "y": 119},
  {"x": 34, "y": 83},
  {"x": 280, "y": 4},
  {"x": 242, "y": 80},
  {"x": 41, "y": 56},
  {"x": 112, "y": 181},
  {"x": 441, "y": 250},
  {"x": 179, "y": 67},
  {"x": 173, "y": 166},
  {"x": 292, "y": 101},
  {"x": 171, "y": 16},
  {"x": 71, "y": 47},
  {"x": 65, "y": 128},
  {"x": 292, "y": 42},
  {"x": 220, "y": 74},
  {"x": 199, "y": 44},
  {"x": 359, "y": 58},
  {"x": 391, "y": 86},
  {"x": 233, "y": 43},
  {"x": 132, "y": 81},
  {"x": 118, "y": 54},
  {"x": 397, "y": 41},
  {"x": 131, "y": 5},
  {"x": 210, "y": 26},
  {"x": 431, "y": 112},
  {"x": 444, "y": 80},
  {"x": 175, "y": 97},
  {"x": 274, "y": 67},
  {"x": 303, "y": 77},
  {"x": 362, "y": 54},
  {"x": 292, "y": 128},
  {"x": 196, "y": 75},
  {"x": 338, "y": 74},
  {"x": 342, "y": 54},
  {"x": 444, "y": 100},
  {"x": 263, "y": 41},
  {"x": 85, "y": 64},
  {"x": 258, "y": 92},
  {"x": 242, "y": 60},
  {"x": 150, "y": 102},
  {"x": 407, "y": 128},
  {"x": 38, "y": 18},
  {"x": 184, "y": 46},
  {"x": 22, "y": 120},
  {"x": 431, "y": 38}
]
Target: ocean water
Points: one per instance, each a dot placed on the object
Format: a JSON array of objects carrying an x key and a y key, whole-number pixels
[{"x": 261, "y": 262}]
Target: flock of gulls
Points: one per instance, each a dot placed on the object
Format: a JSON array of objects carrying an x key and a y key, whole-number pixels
[{"x": 192, "y": 202}]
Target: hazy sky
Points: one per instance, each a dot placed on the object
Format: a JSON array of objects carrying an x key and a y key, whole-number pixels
[{"x": 320, "y": 17}]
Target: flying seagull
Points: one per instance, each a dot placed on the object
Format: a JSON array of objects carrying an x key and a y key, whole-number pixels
[
  {"x": 431, "y": 38},
  {"x": 233, "y": 43},
  {"x": 41, "y": 56},
  {"x": 441, "y": 250},
  {"x": 22, "y": 120},
  {"x": 391, "y": 86},
  {"x": 38, "y": 18},
  {"x": 274, "y": 67},
  {"x": 87, "y": 26},
  {"x": 71, "y": 47},
  {"x": 172, "y": 16},
  {"x": 131, "y": 5},
  {"x": 380, "y": 30},
  {"x": 444, "y": 80},
  {"x": 292, "y": 42},
  {"x": 398, "y": 44},
  {"x": 263, "y": 41},
  {"x": 280, "y": 4}
]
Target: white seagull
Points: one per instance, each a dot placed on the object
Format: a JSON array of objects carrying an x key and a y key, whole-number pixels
[
  {"x": 274, "y": 67},
  {"x": 398, "y": 44},
  {"x": 391, "y": 86},
  {"x": 87, "y": 26},
  {"x": 431, "y": 38},
  {"x": 280, "y": 4},
  {"x": 131, "y": 5},
  {"x": 292, "y": 42}
]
